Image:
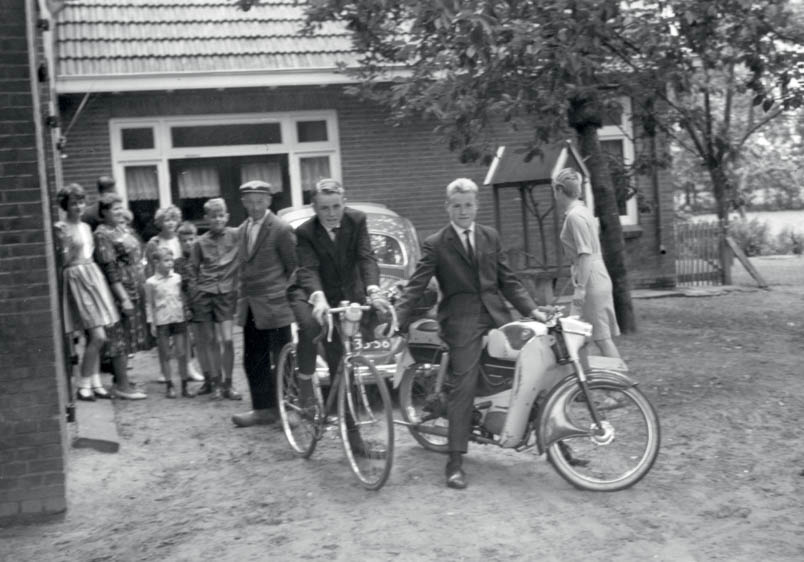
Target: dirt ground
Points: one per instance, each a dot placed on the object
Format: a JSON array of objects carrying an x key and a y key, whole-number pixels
[{"x": 724, "y": 373}]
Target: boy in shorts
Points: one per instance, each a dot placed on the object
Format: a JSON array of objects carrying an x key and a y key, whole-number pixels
[
  {"x": 187, "y": 233},
  {"x": 212, "y": 270},
  {"x": 164, "y": 309}
]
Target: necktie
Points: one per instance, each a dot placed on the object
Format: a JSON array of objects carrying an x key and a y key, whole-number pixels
[
  {"x": 252, "y": 235},
  {"x": 333, "y": 233},
  {"x": 469, "y": 250}
]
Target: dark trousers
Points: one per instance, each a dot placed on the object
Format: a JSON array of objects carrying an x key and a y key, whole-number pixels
[
  {"x": 464, "y": 369},
  {"x": 258, "y": 348},
  {"x": 309, "y": 330}
]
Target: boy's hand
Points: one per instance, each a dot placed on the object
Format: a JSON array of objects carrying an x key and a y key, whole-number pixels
[{"x": 320, "y": 309}]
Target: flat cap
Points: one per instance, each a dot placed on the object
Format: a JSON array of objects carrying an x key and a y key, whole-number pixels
[{"x": 256, "y": 186}]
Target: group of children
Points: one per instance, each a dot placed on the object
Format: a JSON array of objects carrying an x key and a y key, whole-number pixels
[{"x": 191, "y": 297}]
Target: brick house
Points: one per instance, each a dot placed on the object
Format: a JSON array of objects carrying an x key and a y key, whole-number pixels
[
  {"x": 183, "y": 102},
  {"x": 32, "y": 380}
]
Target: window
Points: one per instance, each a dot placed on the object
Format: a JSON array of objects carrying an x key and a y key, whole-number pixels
[
  {"x": 190, "y": 159},
  {"x": 616, "y": 141},
  {"x": 226, "y": 135},
  {"x": 138, "y": 139}
]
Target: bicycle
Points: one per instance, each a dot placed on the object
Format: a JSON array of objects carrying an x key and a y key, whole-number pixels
[{"x": 364, "y": 404}]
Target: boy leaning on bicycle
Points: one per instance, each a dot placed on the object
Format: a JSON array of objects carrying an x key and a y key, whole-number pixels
[{"x": 335, "y": 263}]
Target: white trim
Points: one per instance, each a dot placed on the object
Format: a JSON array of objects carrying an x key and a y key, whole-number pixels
[
  {"x": 163, "y": 150},
  {"x": 623, "y": 132}
]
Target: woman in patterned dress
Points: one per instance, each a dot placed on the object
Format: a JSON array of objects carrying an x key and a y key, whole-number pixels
[
  {"x": 592, "y": 298},
  {"x": 88, "y": 304},
  {"x": 118, "y": 254}
]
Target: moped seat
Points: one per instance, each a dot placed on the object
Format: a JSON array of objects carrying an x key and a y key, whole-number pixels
[{"x": 507, "y": 341}]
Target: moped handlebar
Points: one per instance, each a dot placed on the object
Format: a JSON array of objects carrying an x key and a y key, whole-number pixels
[{"x": 355, "y": 308}]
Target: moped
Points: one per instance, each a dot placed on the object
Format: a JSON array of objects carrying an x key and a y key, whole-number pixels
[{"x": 598, "y": 429}]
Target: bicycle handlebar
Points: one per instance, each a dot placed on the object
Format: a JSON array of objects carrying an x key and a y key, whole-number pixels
[{"x": 356, "y": 306}]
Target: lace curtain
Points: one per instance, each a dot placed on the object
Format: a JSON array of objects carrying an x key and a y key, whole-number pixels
[
  {"x": 270, "y": 172},
  {"x": 312, "y": 170},
  {"x": 142, "y": 183},
  {"x": 199, "y": 182}
]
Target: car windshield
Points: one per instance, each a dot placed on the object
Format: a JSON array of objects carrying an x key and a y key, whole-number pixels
[{"x": 387, "y": 249}]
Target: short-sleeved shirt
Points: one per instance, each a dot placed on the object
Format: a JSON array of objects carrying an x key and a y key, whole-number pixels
[
  {"x": 163, "y": 302},
  {"x": 213, "y": 261},
  {"x": 579, "y": 234}
]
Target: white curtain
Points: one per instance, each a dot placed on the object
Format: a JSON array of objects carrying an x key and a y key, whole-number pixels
[
  {"x": 312, "y": 170},
  {"x": 270, "y": 172},
  {"x": 142, "y": 183},
  {"x": 199, "y": 181}
]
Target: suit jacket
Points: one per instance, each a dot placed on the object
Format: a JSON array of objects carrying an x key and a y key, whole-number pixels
[
  {"x": 342, "y": 269},
  {"x": 266, "y": 273},
  {"x": 466, "y": 288}
]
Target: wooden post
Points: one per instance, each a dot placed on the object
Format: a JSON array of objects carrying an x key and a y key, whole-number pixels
[
  {"x": 497, "y": 218},
  {"x": 526, "y": 238}
]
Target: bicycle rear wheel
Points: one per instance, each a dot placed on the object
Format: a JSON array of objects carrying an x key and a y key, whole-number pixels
[
  {"x": 365, "y": 420},
  {"x": 299, "y": 421},
  {"x": 416, "y": 388},
  {"x": 625, "y": 451}
]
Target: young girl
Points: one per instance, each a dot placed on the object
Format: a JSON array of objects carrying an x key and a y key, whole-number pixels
[
  {"x": 165, "y": 314},
  {"x": 88, "y": 303},
  {"x": 166, "y": 219}
]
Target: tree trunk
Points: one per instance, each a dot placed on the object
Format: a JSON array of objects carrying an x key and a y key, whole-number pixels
[
  {"x": 720, "y": 184},
  {"x": 584, "y": 117}
]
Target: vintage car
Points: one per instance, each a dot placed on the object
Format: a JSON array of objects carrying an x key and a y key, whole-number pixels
[{"x": 396, "y": 246}]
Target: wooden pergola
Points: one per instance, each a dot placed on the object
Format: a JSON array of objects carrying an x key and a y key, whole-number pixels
[{"x": 532, "y": 178}]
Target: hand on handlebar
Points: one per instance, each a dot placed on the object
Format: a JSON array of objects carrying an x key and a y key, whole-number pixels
[{"x": 320, "y": 310}]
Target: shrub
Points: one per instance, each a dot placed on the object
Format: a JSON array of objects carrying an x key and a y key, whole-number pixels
[
  {"x": 752, "y": 235},
  {"x": 789, "y": 241}
]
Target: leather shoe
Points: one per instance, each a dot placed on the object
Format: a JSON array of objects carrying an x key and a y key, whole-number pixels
[
  {"x": 231, "y": 394},
  {"x": 456, "y": 479},
  {"x": 85, "y": 394},
  {"x": 101, "y": 392},
  {"x": 254, "y": 417},
  {"x": 205, "y": 388}
]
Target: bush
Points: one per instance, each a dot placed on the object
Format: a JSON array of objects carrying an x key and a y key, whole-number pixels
[
  {"x": 789, "y": 241},
  {"x": 752, "y": 235}
]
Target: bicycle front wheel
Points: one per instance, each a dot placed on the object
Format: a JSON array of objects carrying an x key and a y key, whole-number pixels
[
  {"x": 416, "y": 388},
  {"x": 365, "y": 420},
  {"x": 299, "y": 420},
  {"x": 622, "y": 453}
]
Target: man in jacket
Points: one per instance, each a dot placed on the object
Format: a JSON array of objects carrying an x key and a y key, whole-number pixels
[
  {"x": 336, "y": 263},
  {"x": 267, "y": 264},
  {"x": 475, "y": 281}
]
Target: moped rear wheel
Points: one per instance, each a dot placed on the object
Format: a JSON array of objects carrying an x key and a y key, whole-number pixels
[
  {"x": 366, "y": 423},
  {"x": 617, "y": 457},
  {"x": 300, "y": 421},
  {"x": 417, "y": 386}
]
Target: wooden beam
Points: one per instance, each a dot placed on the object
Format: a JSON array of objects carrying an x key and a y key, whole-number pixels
[{"x": 740, "y": 255}]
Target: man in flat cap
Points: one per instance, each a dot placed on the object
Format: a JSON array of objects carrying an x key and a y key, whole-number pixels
[{"x": 267, "y": 266}]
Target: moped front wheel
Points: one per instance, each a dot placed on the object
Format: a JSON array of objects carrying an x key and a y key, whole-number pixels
[
  {"x": 614, "y": 455},
  {"x": 300, "y": 420},
  {"x": 416, "y": 388}
]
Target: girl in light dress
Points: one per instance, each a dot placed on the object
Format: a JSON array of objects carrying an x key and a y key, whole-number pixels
[{"x": 88, "y": 304}]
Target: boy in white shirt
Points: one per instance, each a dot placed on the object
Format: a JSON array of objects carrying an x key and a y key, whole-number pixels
[{"x": 165, "y": 313}]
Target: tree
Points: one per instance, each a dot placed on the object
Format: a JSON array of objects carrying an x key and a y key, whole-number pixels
[
  {"x": 538, "y": 65},
  {"x": 723, "y": 70}
]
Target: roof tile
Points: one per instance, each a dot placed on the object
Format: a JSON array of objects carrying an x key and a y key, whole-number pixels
[{"x": 124, "y": 37}]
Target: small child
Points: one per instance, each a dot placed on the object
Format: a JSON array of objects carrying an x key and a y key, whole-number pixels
[
  {"x": 187, "y": 233},
  {"x": 165, "y": 314},
  {"x": 213, "y": 268},
  {"x": 166, "y": 220}
]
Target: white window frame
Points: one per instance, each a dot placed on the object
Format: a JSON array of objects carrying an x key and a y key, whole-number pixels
[
  {"x": 163, "y": 150},
  {"x": 623, "y": 132}
]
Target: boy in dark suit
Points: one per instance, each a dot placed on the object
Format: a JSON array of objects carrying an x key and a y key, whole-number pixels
[
  {"x": 475, "y": 281},
  {"x": 267, "y": 258},
  {"x": 336, "y": 263}
]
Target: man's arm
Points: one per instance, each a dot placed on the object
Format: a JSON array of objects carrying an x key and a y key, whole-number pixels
[
  {"x": 366, "y": 260},
  {"x": 307, "y": 274},
  {"x": 511, "y": 287},
  {"x": 286, "y": 241},
  {"x": 417, "y": 284}
]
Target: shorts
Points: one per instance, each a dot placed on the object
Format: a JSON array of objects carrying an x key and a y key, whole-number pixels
[
  {"x": 213, "y": 307},
  {"x": 166, "y": 330}
]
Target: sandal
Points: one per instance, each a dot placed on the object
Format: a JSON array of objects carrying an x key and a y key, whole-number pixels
[{"x": 85, "y": 394}]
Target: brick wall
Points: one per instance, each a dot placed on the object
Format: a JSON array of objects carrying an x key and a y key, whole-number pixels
[
  {"x": 406, "y": 168},
  {"x": 32, "y": 426}
]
